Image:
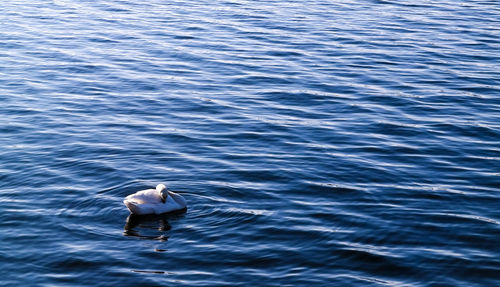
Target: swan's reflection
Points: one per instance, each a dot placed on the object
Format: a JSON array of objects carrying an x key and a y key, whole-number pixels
[{"x": 151, "y": 226}]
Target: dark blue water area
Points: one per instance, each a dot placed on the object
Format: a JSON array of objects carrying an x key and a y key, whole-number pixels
[{"x": 317, "y": 143}]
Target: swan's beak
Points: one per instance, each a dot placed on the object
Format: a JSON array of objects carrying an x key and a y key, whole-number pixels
[
  {"x": 164, "y": 196},
  {"x": 162, "y": 189}
]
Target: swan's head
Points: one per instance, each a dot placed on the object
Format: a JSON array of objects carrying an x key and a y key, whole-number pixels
[{"x": 163, "y": 191}]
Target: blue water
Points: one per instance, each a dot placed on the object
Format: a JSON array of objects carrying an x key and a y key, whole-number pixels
[{"x": 318, "y": 143}]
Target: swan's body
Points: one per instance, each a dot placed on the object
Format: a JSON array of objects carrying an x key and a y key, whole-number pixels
[{"x": 154, "y": 201}]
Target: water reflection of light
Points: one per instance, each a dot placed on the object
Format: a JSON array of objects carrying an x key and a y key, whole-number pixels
[{"x": 152, "y": 227}]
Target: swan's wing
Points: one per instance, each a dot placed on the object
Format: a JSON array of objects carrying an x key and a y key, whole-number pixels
[
  {"x": 145, "y": 196},
  {"x": 140, "y": 208}
]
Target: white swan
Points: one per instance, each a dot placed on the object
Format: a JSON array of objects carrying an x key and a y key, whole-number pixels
[{"x": 154, "y": 201}]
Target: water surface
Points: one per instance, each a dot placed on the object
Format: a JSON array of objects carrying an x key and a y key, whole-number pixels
[{"x": 318, "y": 143}]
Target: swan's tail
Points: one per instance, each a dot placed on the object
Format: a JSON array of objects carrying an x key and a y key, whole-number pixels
[{"x": 131, "y": 206}]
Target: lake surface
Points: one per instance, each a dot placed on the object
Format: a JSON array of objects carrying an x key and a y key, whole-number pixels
[{"x": 318, "y": 143}]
